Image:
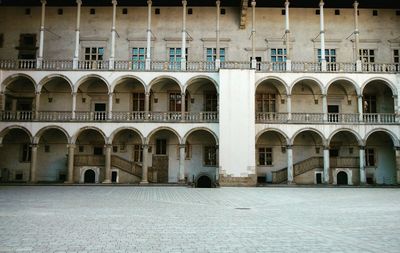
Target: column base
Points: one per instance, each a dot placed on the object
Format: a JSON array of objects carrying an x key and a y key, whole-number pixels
[
  {"x": 107, "y": 181},
  {"x": 75, "y": 63},
  {"x": 144, "y": 182},
  {"x": 68, "y": 182},
  {"x": 182, "y": 181}
]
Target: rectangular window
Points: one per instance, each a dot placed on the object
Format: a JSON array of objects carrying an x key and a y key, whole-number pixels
[
  {"x": 137, "y": 153},
  {"x": 175, "y": 54},
  {"x": 26, "y": 151},
  {"x": 330, "y": 55},
  {"x": 266, "y": 102},
  {"x": 175, "y": 102},
  {"x": 369, "y": 104},
  {"x": 94, "y": 53},
  {"x": 278, "y": 54},
  {"x": 138, "y": 102},
  {"x": 210, "y": 156},
  {"x": 138, "y": 56},
  {"x": 211, "y": 54},
  {"x": 367, "y": 55},
  {"x": 47, "y": 148},
  {"x": 161, "y": 147},
  {"x": 210, "y": 102},
  {"x": 396, "y": 55},
  {"x": 1, "y": 40},
  {"x": 264, "y": 156},
  {"x": 369, "y": 157}
]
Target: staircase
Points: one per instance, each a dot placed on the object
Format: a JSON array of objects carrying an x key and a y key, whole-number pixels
[{"x": 132, "y": 168}]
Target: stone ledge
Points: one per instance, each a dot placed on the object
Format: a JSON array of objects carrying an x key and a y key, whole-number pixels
[{"x": 226, "y": 180}]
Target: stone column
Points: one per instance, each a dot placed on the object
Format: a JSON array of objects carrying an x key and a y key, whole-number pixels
[
  {"x": 287, "y": 37},
  {"x": 73, "y": 104},
  {"x": 77, "y": 30},
  {"x": 363, "y": 175},
  {"x": 253, "y": 36},
  {"x": 183, "y": 105},
  {"x": 148, "y": 48},
  {"x": 110, "y": 105},
  {"x": 182, "y": 163},
  {"x": 357, "y": 38},
  {"x": 360, "y": 108},
  {"x": 39, "y": 60},
  {"x": 144, "y": 164},
  {"x": 289, "y": 106},
  {"x": 290, "y": 175},
  {"x": 3, "y": 101},
  {"x": 33, "y": 163},
  {"x": 322, "y": 35},
  {"x": 37, "y": 105},
  {"x": 326, "y": 164},
  {"x": 183, "y": 58},
  {"x": 217, "y": 49},
  {"x": 107, "y": 166},
  {"x": 113, "y": 33},
  {"x": 398, "y": 164},
  {"x": 325, "y": 107},
  {"x": 71, "y": 153},
  {"x": 147, "y": 105}
]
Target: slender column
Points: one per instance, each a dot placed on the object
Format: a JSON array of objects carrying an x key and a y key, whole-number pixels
[
  {"x": 77, "y": 30},
  {"x": 289, "y": 106},
  {"x": 326, "y": 164},
  {"x": 34, "y": 148},
  {"x": 360, "y": 108},
  {"x": 325, "y": 107},
  {"x": 183, "y": 105},
  {"x": 144, "y": 164},
  {"x": 113, "y": 32},
  {"x": 395, "y": 104},
  {"x": 71, "y": 152},
  {"x": 107, "y": 166},
  {"x": 148, "y": 49},
  {"x": 182, "y": 163},
  {"x": 217, "y": 49},
  {"x": 3, "y": 101},
  {"x": 363, "y": 175},
  {"x": 73, "y": 104},
  {"x": 253, "y": 36},
  {"x": 357, "y": 38},
  {"x": 322, "y": 35},
  {"x": 183, "y": 58},
  {"x": 398, "y": 164},
  {"x": 287, "y": 38},
  {"x": 147, "y": 104},
  {"x": 39, "y": 60},
  {"x": 37, "y": 105},
  {"x": 289, "y": 151},
  {"x": 110, "y": 104}
]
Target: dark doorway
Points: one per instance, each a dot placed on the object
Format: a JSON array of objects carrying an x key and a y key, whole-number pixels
[
  {"x": 114, "y": 177},
  {"x": 90, "y": 177},
  {"x": 203, "y": 182},
  {"x": 100, "y": 111},
  {"x": 98, "y": 151},
  {"x": 318, "y": 178},
  {"x": 333, "y": 111},
  {"x": 258, "y": 60},
  {"x": 342, "y": 178}
]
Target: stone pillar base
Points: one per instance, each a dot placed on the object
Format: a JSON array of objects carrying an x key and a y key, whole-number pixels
[
  {"x": 68, "y": 182},
  {"x": 227, "y": 180},
  {"x": 75, "y": 63},
  {"x": 148, "y": 64},
  {"x": 144, "y": 182},
  {"x": 107, "y": 181},
  {"x": 358, "y": 66}
]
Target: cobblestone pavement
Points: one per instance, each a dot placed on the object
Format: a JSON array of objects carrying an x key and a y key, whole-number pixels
[{"x": 178, "y": 219}]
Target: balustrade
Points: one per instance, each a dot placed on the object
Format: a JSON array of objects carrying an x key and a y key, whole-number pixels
[
  {"x": 93, "y": 65},
  {"x": 308, "y": 117},
  {"x": 57, "y": 64},
  {"x": 263, "y": 117}
]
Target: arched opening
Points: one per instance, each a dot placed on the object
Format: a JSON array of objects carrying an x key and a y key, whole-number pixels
[
  {"x": 129, "y": 100},
  {"x": 114, "y": 176},
  {"x": 204, "y": 182},
  {"x": 271, "y": 157},
  {"x": 92, "y": 100},
  {"x": 380, "y": 159},
  {"x": 378, "y": 102},
  {"x": 15, "y": 153},
  {"x": 166, "y": 100},
  {"x": 202, "y": 98},
  {"x": 342, "y": 102},
  {"x": 90, "y": 177},
  {"x": 55, "y": 97},
  {"x": 307, "y": 101},
  {"x": 271, "y": 101},
  {"x": 342, "y": 178}
]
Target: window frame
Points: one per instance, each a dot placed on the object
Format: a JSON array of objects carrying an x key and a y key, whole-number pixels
[
  {"x": 268, "y": 102},
  {"x": 370, "y": 157},
  {"x": 91, "y": 53},
  {"x": 209, "y": 156},
  {"x": 278, "y": 53},
  {"x": 211, "y": 54},
  {"x": 161, "y": 147},
  {"x": 329, "y": 57},
  {"x": 366, "y": 56},
  {"x": 265, "y": 156}
]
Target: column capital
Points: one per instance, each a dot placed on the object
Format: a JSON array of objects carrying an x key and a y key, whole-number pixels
[
  {"x": 114, "y": 2},
  {"x": 182, "y": 145},
  {"x": 253, "y": 3},
  {"x": 326, "y": 147},
  {"x": 289, "y": 146},
  {"x": 360, "y": 96},
  {"x": 184, "y": 2},
  {"x": 355, "y": 4},
  {"x": 37, "y": 93},
  {"x": 287, "y": 2},
  {"x": 147, "y": 93},
  {"x": 321, "y": 3},
  {"x": 111, "y": 94},
  {"x": 149, "y": 2},
  {"x": 108, "y": 146},
  {"x": 44, "y": 2},
  {"x": 79, "y": 2},
  {"x": 145, "y": 146},
  {"x": 74, "y": 93},
  {"x": 361, "y": 147},
  {"x": 34, "y": 145},
  {"x": 218, "y": 3}
]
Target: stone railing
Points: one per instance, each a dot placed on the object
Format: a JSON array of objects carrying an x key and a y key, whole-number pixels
[
  {"x": 343, "y": 117},
  {"x": 306, "y": 67},
  {"x": 201, "y": 116},
  {"x": 344, "y": 162},
  {"x": 266, "y": 117},
  {"x": 17, "y": 115},
  {"x": 54, "y": 116},
  {"x": 381, "y": 67},
  {"x": 17, "y": 64},
  {"x": 307, "y": 117},
  {"x": 348, "y": 67},
  {"x": 235, "y": 65},
  {"x": 126, "y": 165},
  {"x": 57, "y": 64},
  {"x": 90, "y": 116},
  {"x": 93, "y": 65},
  {"x": 128, "y": 116},
  {"x": 89, "y": 160},
  {"x": 279, "y": 176},
  {"x": 166, "y": 66},
  {"x": 129, "y": 65},
  {"x": 200, "y": 66},
  {"x": 165, "y": 116},
  {"x": 380, "y": 118},
  {"x": 271, "y": 66}
]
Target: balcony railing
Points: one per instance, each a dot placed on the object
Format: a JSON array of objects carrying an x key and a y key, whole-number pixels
[
  {"x": 130, "y": 65},
  {"x": 128, "y": 116},
  {"x": 54, "y": 116},
  {"x": 306, "y": 67},
  {"x": 384, "y": 118},
  {"x": 263, "y": 117},
  {"x": 201, "y": 116},
  {"x": 57, "y": 64},
  {"x": 307, "y": 117},
  {"x": 93, "y": 65},
  {"x": 343, "y": 117}
]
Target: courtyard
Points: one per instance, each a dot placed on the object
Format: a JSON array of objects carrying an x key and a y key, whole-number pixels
[{"x": 179, "y": 219}]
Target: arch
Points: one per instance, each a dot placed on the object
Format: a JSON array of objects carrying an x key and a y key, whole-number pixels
[
  {"x": 163, "y": 128},
  {"x": 89, "y": 176},
  {"x": 204, "y": 180},
  {"x": 87, "y": 77},
  {"x": 48, "y": 78},
  {"x": 189, "y": 82},
  {"x": 273, "y": 130},
  {"x": 199, "y": 129},
  {"x": 394, "y": 138},
  {"x": 273, "y": 78},
  {"x": 342, "y": 78},
  {"x": 39, "y": 134},
  {"x": 319, "y": 84},
  {"x": 342, "y": 178},
  {"x": 128, "y": 76},
  {"x": 81, "y": 130},
  {"x": 120, "y": 129},
  {"x": 5, "y": 131},
  {"x": 311, "y": 130},
  {"x": 358, "y": 137},
  {"x": 11, "y": 78},
  {"x": 382, "y": 79},
  {"x": 155, "y": 81}
]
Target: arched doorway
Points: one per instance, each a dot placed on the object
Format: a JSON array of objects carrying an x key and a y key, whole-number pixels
[
  {"x": 342, "y": 178},
  {"x": 204, "y": 182},
  {"x": 90, "y": 177}
]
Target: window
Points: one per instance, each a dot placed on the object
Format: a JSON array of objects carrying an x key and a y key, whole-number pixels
[
  {"x": 28, "y": 11},
  {"x": 175, "y": 102},
  {"x": 330, "y": 55},
  {"x": 26, "y": 152},
  {"x": 278, "y": 54},
  {"x": 190, "y": 11},
  {"x": 60, "y": 11},
  {"x": 317, "y": 12},
  {"x": 397, "y": 12},
  {"x": 161, "y": 147},
  {"x": 97, "y": 150},
  {"x": 369, "y": 157},
  {"x": 367, "y": 55},
  {"x": 92, "y": 11},
  {"x": 337, "y": 12},
  {"x": 223, "y": 11},
  {"x": 138, "y": 102},
  {"x": 115, "y": 149},
  {"x": 266, "y": 102},
  {"x": 264, "y": 156},
  {"x": 81, "y": 148},
  {"x": 94, "y": 53},
  {"x": 138, "y": 57},
  {"x": 137, "y": 153},
  {"x": 374, "y": 12},
  {"x": 396, "y": 55},
  {"x": 210, "y": 102},
  {"x": 210, "y": 156},
  {"x": 175, "y": 54},
  {"x": 369, "y": 104},
  {"x": 211, "y": 54},
  {"x": 157, "y": 11},
  {"x": 1, "y": 40},
  {"x": 124, "y": 11},
  {"x": 283, "y": 12}
]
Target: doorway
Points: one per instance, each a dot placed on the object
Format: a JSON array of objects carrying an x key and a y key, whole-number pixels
[
  {"x": 342, "y": 178},
  {"x": 333, "y": 112},
  {"x": 318, "y": 178},
  {"x": 90, "y": 177},
  {"x": 100, "y": 111},
  {"x": 203, "y": 182},
  {"x": 258, "y": 60},
  {"x": 114, "y": 175}
]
